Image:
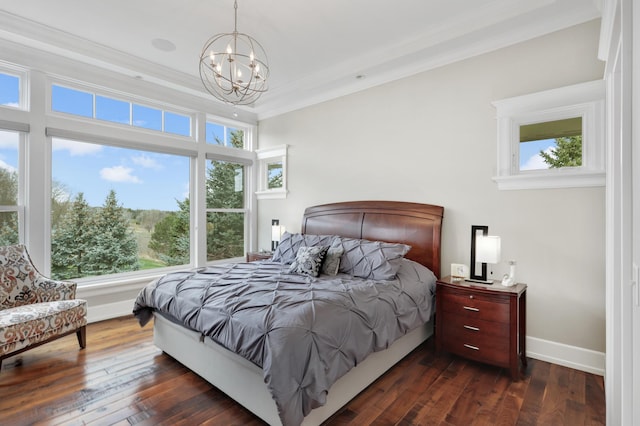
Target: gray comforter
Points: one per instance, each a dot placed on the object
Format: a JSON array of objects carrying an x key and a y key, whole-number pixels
[{"x": 304, "y": 332}]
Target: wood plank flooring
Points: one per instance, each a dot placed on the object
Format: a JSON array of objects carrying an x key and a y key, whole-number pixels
[{"x": 121, "y": 378}]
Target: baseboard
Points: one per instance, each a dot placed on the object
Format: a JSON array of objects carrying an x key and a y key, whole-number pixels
[
  {"x": 566, "y": 355},
  {"x": 109, "y": 310}
]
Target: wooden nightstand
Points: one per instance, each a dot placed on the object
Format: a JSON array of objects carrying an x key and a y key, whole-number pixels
[
  {"x": 486, "y": 323},
  {"x": 252, "y": 256}
]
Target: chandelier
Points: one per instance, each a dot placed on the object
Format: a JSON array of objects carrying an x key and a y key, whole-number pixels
[{"x": 234, "y": 67}]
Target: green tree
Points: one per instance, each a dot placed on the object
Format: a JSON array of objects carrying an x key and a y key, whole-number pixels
[
  {"x": 8, "y": 197},
  {"x": 114, "y": 247},
  {"x": 71, "y": 239},
  {"x": 567, "y": 153},
  {"x": 170, "y": 237}
]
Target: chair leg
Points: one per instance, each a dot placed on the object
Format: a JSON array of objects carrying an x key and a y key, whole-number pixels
[{"x": 82, "y": 336}]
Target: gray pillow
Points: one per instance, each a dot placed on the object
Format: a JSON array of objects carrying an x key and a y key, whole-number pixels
[
  {"x": 290, "y": 243},
  {"x": 374, "y": 260},
  {"x": 308, "y": 260}
]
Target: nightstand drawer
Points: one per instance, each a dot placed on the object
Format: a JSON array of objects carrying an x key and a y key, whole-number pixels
[
  {"x": 480, "y": 348},
  {"x": 467, "y": 326},
  {"x": 482, "y": 307}
]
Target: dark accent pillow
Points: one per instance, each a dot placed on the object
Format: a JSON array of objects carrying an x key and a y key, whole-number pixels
[
  {"x": 376, "y": 260},
  {"x": 290, "y": 243},
  {"x": 308, "y": 260},
  {"x": 331, "y": 263}
]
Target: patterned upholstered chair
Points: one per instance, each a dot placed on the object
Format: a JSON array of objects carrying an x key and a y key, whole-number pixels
[{"x": 33, "y": 308}]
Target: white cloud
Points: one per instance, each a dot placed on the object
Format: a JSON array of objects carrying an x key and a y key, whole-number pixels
[
  {"x": 8, "y": 140},
  {"x": 146, "y": 162},
  {"x": 119, "y": 174},
  {"x": 12, "y": 104},
  {"x": 7, "y": 167},
  {"x": 536, "y": 162},
  {"x": 76, "y": 148}
]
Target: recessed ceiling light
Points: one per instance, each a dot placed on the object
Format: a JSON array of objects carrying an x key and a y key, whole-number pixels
[{"x": 164, "y": 45}]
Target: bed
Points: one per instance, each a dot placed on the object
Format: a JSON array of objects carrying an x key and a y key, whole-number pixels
[{"x": 353, "y": 226}]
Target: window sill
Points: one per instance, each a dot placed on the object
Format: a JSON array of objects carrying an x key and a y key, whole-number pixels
[
  {"x": 271, "y": 194},
  {"x": 551, "y": 180}
]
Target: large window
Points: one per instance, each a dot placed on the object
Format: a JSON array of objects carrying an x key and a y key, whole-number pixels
[
  {"x": 226, "y": 205},
  {"x": 124, "y": 174},
  {"x": 116, "y": 210},
  {"x": 9, "y": 187}
]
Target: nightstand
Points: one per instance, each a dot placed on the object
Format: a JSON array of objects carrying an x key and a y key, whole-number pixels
[
  {"x": 252, "y": 256},
  {"x": 486, "y": 323}
]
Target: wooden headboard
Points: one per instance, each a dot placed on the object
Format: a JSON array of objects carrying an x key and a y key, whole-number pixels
[{"x": 417, "y": 225}]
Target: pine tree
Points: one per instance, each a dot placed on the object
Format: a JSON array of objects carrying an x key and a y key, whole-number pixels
[
  {"x": 71, "y": 240},
  {"x": 567, "y": 153},
  {"x": 114, "y": 247},
  {"x": 170, "y": 237}
]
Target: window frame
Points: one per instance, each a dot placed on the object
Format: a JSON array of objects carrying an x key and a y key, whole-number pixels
[
  {"x": 23, "y": 86},
  {"x": 584, "y": 100},
  {"x": 99, "y": 131},
  {"x": 265, "y": 157},
  {"x": 105, "y": 92}
]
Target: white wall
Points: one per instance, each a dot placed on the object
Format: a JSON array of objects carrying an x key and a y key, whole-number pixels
[{"x": 431, "y": 138}]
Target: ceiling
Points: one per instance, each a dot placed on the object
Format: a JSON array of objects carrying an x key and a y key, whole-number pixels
[{"x": 317, "y": 50}]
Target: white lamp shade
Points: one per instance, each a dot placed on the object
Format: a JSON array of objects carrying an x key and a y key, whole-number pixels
[
  {"x": 276, "y": 232},
  {"x": 488, "y": 249}
]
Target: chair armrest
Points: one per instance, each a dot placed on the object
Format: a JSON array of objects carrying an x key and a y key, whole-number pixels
[{"x": 48, "y": 289}]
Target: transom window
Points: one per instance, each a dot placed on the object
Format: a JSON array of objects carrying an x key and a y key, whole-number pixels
[
  {"x": 11, "y": 88},
  {"x": 91, "y": 105},
  {"x": 219, "y": 134}
]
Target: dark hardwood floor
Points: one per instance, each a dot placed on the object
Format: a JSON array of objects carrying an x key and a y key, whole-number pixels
[{"x": 121, "y": 378}]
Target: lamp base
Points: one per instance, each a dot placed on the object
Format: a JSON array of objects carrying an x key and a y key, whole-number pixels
[{"x": 486, "y": 282}]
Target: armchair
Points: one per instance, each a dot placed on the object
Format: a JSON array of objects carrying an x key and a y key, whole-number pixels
[{"x": 33, "y": 308}]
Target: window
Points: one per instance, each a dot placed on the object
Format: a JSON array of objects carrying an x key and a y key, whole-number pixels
[
  {"x": 91, "y": 105},
  {"x": 219, "y": 134},
  {"x": 272, "y": 182},
  {"x": 117, "y": 210},
  {"x": 552, "y": 139},
  {"x": 10, "y": 211},
  {"x": 10, "y": 90},
  {"x": 551, "y": 144},
  {"x": 225, "y": 209}
]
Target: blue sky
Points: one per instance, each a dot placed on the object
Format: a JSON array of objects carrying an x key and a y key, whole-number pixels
[
  {"x": 530, "y": 158},
  {"x": 142, "y": 180}
]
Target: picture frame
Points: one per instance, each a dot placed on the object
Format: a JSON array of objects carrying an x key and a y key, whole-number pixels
[{"x": 474, "y": 267}]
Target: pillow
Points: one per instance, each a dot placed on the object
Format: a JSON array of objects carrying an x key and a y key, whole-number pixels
[
  {"x": 308, "y": 260},
  {"x": 374, "y": 260},
  {"x": 331, "y": 263},
  {"x": 290, "y": 243}
]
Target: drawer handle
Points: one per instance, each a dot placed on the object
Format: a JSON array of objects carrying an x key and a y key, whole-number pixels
[
  {"x": 475, "y": 348},
  {"x": 469, "y": 308},
  {"x": 469, "y": 327}
]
